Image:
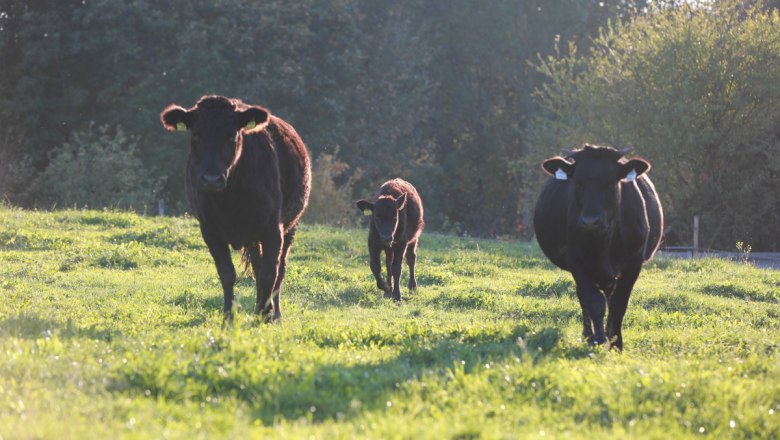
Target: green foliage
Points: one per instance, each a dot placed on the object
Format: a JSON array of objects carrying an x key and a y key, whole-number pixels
[
  {"x": 331, "y": 202},
  {"x": 96, "y": 168},
  {"x": 436, "y": 93},
  {"x": 433, "y": 92},
  {"x": 112, "y": 322},
  {"x": 691, "y": 89}
]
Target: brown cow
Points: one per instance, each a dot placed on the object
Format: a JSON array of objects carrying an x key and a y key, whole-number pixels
[
  {"x": 396, "y": 224},
  {"x": 248, "y": 178}
]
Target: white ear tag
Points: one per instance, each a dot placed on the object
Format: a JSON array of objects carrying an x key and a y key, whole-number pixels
[
  {"x": 561, "y": 175},
  {"x": 252, "y": 124},
  {"x": 631, "y": 176},
  {"x": 367, "y": 212},
  {"x": 181, "y": 126}
]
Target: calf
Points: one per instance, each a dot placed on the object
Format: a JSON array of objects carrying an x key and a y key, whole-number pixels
[
  {"x": 395, "y": 227},
  {"x": 599, "y": 218},
  {"x": 248, "y": 177}
]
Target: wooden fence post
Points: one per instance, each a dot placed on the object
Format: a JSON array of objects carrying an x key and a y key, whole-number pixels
[{"x": 695, "y": 236}]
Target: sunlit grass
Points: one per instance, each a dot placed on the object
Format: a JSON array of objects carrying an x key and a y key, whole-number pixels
[{"x": 110, "y": 326}]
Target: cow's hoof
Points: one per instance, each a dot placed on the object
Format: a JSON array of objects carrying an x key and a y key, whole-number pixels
[
  {"x": 267, "y": 316},
  {"x": 596, "y": 340},
  {"x": 616, "y": 343}
]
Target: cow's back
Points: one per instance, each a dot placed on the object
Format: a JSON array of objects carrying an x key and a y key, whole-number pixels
[
  {"x": 294, "y": 170},
  {"x": 550, "y": 216},
  {"x": 414, "y": 208},
  {"x": 655, "y": 216}
]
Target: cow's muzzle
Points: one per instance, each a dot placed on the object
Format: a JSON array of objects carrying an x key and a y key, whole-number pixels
[
  {"x": 593, "y": 224},
  {"x": 212, "y": 182}
]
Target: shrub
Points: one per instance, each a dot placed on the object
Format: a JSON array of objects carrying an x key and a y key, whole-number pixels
[
  {"x": 331, "y": 197},
  {"x": 97, "y": 168}
]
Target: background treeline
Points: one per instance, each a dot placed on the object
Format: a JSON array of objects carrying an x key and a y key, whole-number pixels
[{"x": 461, "y": 97}]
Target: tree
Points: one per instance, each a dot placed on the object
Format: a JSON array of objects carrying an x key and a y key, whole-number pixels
[
  {"x": 694, "y": 90},
  {"x": 433, "y": 92}
]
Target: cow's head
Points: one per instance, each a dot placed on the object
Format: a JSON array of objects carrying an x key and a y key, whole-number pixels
[
  {"x": 384, "y": 215},
  {"x": 217, "y": 125},
  {"x": 595, "y": 174}
]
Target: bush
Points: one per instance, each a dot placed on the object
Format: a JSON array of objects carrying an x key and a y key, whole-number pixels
[
  {"x": 331, "y": 196},
  {"x": 97, "y": 168}
]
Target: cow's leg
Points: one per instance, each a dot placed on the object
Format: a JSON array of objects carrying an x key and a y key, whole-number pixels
[
  {"x": 389, "y": 254},
  {"x": 276, "y": 294},
  {"x": 266, "y": 268},
  {"x": 593, "y": 303},
  {"x": 374, "y": 255},
  {"x": 411, "y": 259},
  {"x": 618, "y": 302},
  {"x": 587, "y": 325},
  {"x": 398, "y": 259},
  {"x": 220, "y": 252}
]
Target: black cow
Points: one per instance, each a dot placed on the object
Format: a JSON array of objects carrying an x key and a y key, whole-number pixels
[
  {"x": 248, "y": 178},
  {"x": 396, "y": 223},
  {"x": 599, "y": 218}
]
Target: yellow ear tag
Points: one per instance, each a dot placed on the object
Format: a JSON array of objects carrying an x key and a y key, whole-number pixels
[
  {"x": 250, "y": 125},
  {"x": 181, "y": 126},
  {"x": 367, "y": 212}
]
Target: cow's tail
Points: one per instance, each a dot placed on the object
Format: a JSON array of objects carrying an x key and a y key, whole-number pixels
[{"x": 246, "y": 260}]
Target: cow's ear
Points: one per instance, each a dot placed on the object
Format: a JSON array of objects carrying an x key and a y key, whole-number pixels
[
  {"x": 558, "y": 167},
  {"x": 400, "y": 202},
  {"x": 175, "y": 118},
  {"x": 253, "y": 118},
  {"x": 365, "y": 206},
  {"x": 631, "y": 169}
]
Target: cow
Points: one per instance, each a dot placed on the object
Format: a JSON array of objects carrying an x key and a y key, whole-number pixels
[
  {"x": 599, "y": 217},
  {"x": 248, "y": 177},
  {"x": 396, "y": 224}
]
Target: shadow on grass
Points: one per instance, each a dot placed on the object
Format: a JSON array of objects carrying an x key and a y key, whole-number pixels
[
  {"x": 28, "y": 326},
  {"x": 549, "y": 289},
  {"x": 468, "y": 300},
  {"x": 341, "y": 391},
  {"x": 733, "y": 291},
  {"x": 329, "y": 298}
]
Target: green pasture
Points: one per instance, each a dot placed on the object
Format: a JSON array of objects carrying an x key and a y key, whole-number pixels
[{"x": 111, "y": 327}]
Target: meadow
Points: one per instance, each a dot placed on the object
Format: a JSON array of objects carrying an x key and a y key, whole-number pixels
[{"x": 111, "y": 327}]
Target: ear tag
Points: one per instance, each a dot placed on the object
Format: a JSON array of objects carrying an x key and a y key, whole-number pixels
[
  {"x": 250, "y": 125},
  {"x": 367, "y": 212},
  {"x": 561, "y": 175},
  {"x": 181, "y": 126},
  {"x": 631, "y": 176}
]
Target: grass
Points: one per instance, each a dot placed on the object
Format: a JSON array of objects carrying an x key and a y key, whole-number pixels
[{"x": 110, "y": 327}]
